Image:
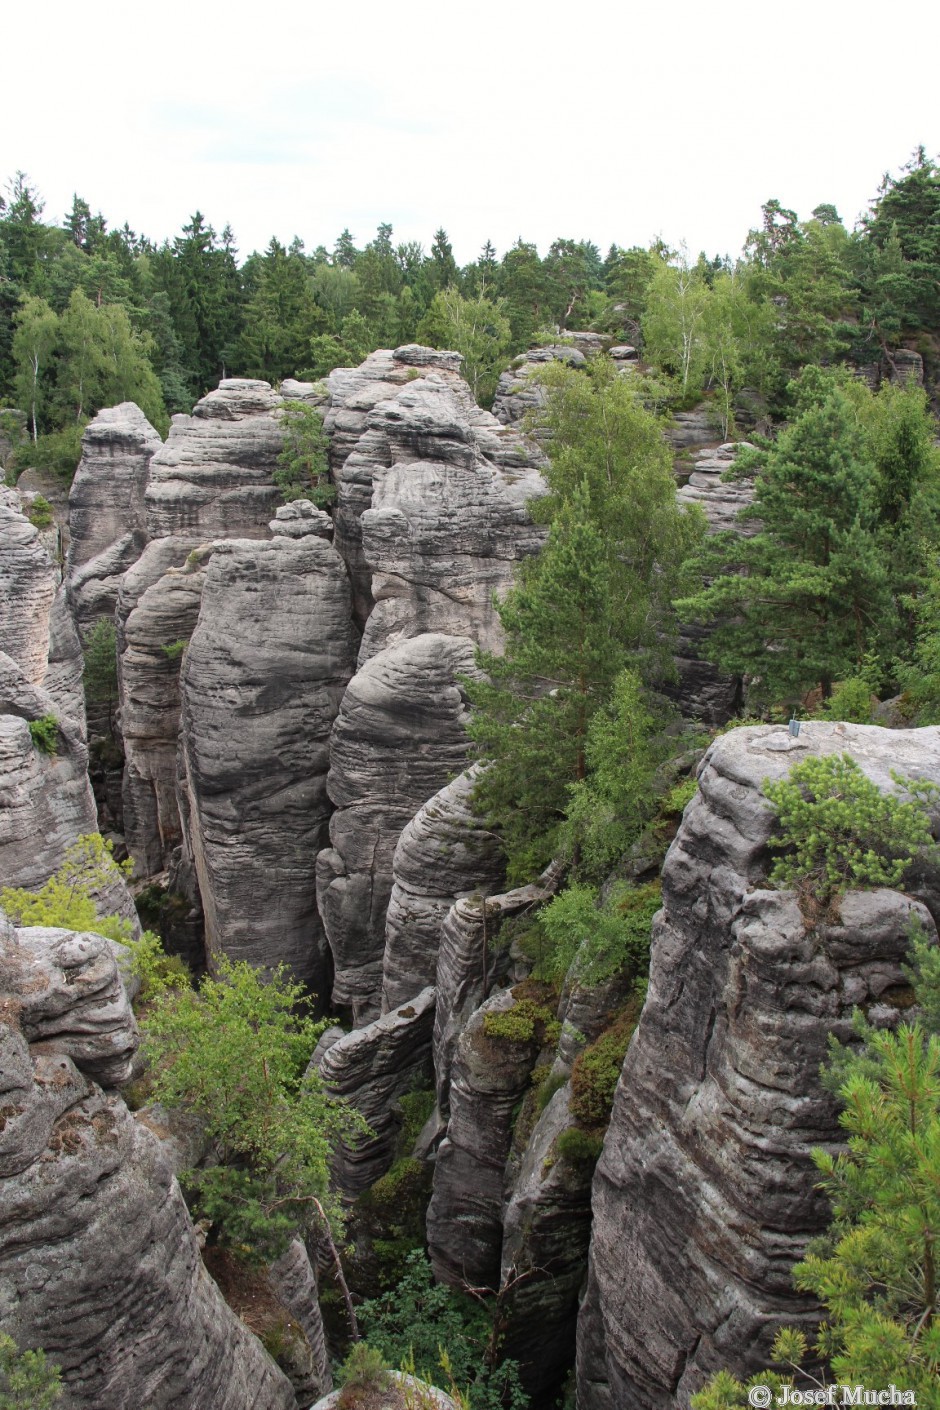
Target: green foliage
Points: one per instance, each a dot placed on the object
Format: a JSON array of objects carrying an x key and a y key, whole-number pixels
[
  {"x": 417, "y": 1318},
  {"x": 100, "y": 663},
  {"x": 838, "y": 830},
  {"x": 66, "y": 898},
  {"x": 528, "y": 1021},
  {"x": 235, "y": 1052},
  {"x": 476, "y": 328},
  {"x": 596, "y": 599},
  {"x": 596, "y": 1072},
  {"x": 680, "y": 795},
  {"x": 547, "y": 1088},
  {"x": 579, "y": 1147},
  {"x": 364, "y": 1370},
  {"x": 44, "y": 733},
  {"x": 40, "y": 513},
  {"x": 173, "y": 650},
  {"x": 303, "y": 471},
  {"x": 27, "y": 1380},
  {"x": 594, "y": 941},
  {"x": 56, "y": 451}
]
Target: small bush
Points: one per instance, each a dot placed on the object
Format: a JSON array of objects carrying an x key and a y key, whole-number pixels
[
  {"x": 526, "y": 1022},
  {"x": 100, "y": 668},
  {"x": 837, "y": 829},
  {"x": 547, "y": 1089},
  {"x": 40, "y": 513},
  {"x": 596, "y": 1072},
  {"x": 45, "y": 733},
  {"x": 173, "y": 650},
  {"x": 365, "y": 1370},
  {"x": 65, "y": 899},
  {"x": 600, "y": 940},
  {"x": 303, "y": 468},
  {"x": 579, "y": 1147},
  {"x": 27, "y": 1380}
]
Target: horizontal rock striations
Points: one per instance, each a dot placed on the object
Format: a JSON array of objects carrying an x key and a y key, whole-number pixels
[
  {"x": 213, "y": 478},
  {"x": 448, "y": 520},
  {"x": 398, "y": 738},
  {"x": 262, "y": 680},
  {"x": 28, "y": 582},
  {"x": 705, "y": 1196},
  {"x": 98, "y": 1257},
  {"x": 445, "y": 852},
  {"x": 106, "y": 508}
]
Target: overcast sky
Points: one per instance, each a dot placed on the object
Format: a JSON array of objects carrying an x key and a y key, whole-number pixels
[{"x": 613, "y": 121}]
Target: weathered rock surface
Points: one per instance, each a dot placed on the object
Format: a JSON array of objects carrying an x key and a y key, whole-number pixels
[
  {"x": 702, "y": 692},
  {"x": 371, "y": 1067},
  {"x": 157, "y": 613},
  {"x": 28, "y": 582},
  {"x": 262, "y": 681},
  {"x": 464, "y": 1220},
  {"x": 705, "y": 1193},
  {"x": 519, "y": 392},
  {"x": 546, "y": 1230},
  {"x": 423, "y": 1395},
  {"x": 294, "y": 1280},
  {"x": 98, "y": 1258},
  {"x": 471, "y": 960},
  {"x": 63, "y": 679},
  {"x": 46, "y": 800},
  {"x": 689, "y": 429},
  {"x": 448, "y": 520},
  {"x": 213, "y": 478},
  {"x": 106, "y": 508},
  {"x": 354, "y": 392},
  {"x": 445, "y": 852},
  {"x": 398, "y": 738}
]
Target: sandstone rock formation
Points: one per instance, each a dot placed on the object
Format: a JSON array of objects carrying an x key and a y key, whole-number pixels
[
  {"x": 445, "y": 852},
  {"x": 705, "y": 1193},
  {"x": 46, "y": 800},
  {"x": 371, "y": 1067},
  {"x": 702, "y": 691},
  {"x": 28, "y": 582},
  {"x": 158, "y": 608},
  {"x": 518, "y": 392},
  {"x": 398, "y": 738},
  {"x": 448, "y": 519},
  {"x": 464, "y": 1219},
  {"x": 106, "y": 508},
  {"x": 262, "y": 681},
  {"x": 98, "y": 1258},
  {"x": 213, "y": 478}
]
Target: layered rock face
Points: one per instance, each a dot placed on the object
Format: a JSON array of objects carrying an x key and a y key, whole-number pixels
[
  {"x": 214, "y": 476},
  {"x": 705, "y": 1194},
  {"x": 262, "y": 680},
  {"x": 400, "y": 735},
  {"x": 28, "y": 583},
  {"x": 445, "y": 852},
  {"x": 106, "y": 508},
  {"x": 702, "y": 691},
  {"x": 98, "y": 1258},
  {"x": 46, "y": 800},
  {"x": 158, "y": 608},
  {"x": 448, "y": 520}
]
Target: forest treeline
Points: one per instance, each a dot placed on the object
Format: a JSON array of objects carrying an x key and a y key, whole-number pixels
[{"x": 90, "y": 315}]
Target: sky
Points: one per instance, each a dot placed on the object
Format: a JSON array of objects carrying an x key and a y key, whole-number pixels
[{"x": 615, "y": 121}]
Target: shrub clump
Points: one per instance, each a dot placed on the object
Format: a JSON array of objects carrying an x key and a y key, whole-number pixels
[
  {"x": 836, "y": 829},
  {"x": 527, "y": 1021},
  {"x": 600, "y": 940},
  {"x": 45, "y": 733},
  {"x": 596, "y": 1072}
]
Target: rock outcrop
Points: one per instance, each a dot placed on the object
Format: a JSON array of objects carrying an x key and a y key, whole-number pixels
[
  {"x": 445, "y": 852},
  {"x": 28, "y": 582},
  {"x": 213, "y": 478},
  {"x": 157, "y": 613},
  {"x": 398, "y": 738},
  {"x": 371, "y": 1067},
  {"x": 519, "y": 392},
  {"x": 262, "y": 680},
  {"x": 99, "y": 1263},
  {"x": 46, "y": 801},
  {"x": 705, "y": 1194},
  {"x": 465, "y": 1217},
  {"x": 448, "y": 520},
  {"x": 106, "y": 508},
  {"x": 353, "y": 393}
]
